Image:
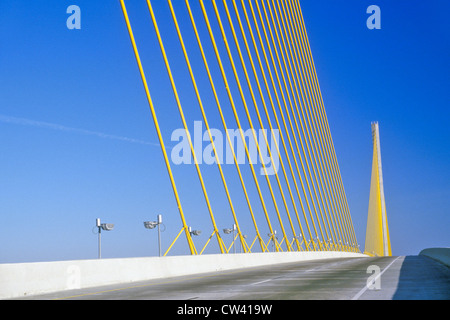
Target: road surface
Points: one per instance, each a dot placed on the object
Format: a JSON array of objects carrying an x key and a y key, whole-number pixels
[{"x": 404, "y": 277}]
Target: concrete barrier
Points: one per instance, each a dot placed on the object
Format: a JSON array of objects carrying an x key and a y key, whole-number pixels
[
  {"x": 441, "y": 255},
  {"x": 24, "y": 279}
]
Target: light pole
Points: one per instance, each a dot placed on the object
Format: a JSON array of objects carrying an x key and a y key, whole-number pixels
[
  {"x": 102, "y": 226},
  {"x": 273, "y": 236},
  {"x": 228, "y": 231},
  {"x": 298, "y": 238},
  {"x": 242, "y": 244},
  {"x": 152, "y": 225}
]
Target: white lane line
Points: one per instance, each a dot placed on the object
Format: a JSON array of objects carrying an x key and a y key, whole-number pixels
[
  {"x": 253, "y": 284},
  {"x": 361, "y": 292}
]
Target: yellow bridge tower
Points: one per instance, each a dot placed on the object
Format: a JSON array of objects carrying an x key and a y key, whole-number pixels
[{"x": 378, "y": 242}]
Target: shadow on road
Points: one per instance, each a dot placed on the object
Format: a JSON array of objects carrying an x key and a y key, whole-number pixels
[{"x": 422, "y": 278}]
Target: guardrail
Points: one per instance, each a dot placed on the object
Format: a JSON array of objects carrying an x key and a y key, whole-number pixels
[{"x": 441, "y": 255}]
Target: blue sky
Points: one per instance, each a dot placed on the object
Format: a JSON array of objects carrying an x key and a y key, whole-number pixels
[{"x": 78, "y": 142}]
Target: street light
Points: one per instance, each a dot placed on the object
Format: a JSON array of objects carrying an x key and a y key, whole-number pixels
[
  {"x": 153, "y": 225},
  {"x": 228, "y": 231},
  {"x": 274, "y": 237},
  {"x": 194, "y": 232},
  {"x": 328, "y": 243},
  {"x": 102, "y": 226},
  {"x": 245, "y": 237},
  {"x": 299, "y": 237}
]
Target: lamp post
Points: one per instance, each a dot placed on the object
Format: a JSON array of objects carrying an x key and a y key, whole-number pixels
[
  {"x": 194, "y": 232},
  {"x": 228, "y": 231},
  {"x": 102, "y": 226},
  {"x": 242, "y": 244},
  {"x": 273, "y": 236},
  {"x": 152, "y": 225},
  {"x": 298, "y": 238}
]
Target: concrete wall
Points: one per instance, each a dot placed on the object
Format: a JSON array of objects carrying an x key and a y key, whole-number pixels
[
  {"x": 22, "y": 279},
  {"x": 441, "y": 255}
]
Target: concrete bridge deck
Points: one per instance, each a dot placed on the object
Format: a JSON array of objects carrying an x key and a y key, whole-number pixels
[{"x": 403, "y": 277}]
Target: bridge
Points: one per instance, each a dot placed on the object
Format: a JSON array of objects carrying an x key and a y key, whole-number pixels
[
  {"x": 250, "y": 68},
  {"x": 359, "y": 278}
]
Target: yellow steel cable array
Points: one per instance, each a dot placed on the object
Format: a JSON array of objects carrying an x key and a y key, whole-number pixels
[
  {"x": 180, "y": 108},
  {"x": 230, "y": 96},
  {"x": 318, "y": 160},
  {"x": 288, "y": 116},
  {"x": 258, "y": 236},
  {"x": 292, "y": 56},
  {"x": 295, "y": 94},
  {"x": 207, "y": 125},
  {"x": 322, "y": 113},
  {"x": 314, "y": 129},
  {"x": 272, "y": 66},
  {"x": 273, "y": 107},
  {"x": 316, "y": 138},
  {"x": 248, "y": 117},
  {"x": 272, "y": 104},
  {"x": 259, "y": 118},
  {"x": 319, "y": 138},
  {"x": 155, "y": 120},
  {"x": 315, "y": 118}
]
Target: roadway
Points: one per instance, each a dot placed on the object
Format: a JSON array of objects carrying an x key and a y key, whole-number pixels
[{"x": 403, "y": 277}]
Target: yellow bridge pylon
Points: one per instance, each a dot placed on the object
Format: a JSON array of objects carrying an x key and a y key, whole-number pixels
[{"x": 378, "y": 242}]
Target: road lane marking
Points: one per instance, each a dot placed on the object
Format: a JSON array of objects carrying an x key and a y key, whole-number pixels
[
  {"x": 253, "y": 284},
  {"x": 361, "y": 292}
]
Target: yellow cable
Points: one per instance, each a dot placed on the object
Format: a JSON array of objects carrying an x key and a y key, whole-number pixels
[
  {"x": 262, "y": 244},
  {"x": 258, "y": 114},
  {"x": 321, "y": 139},
  {"x": 235, "y": 113},
  {"x": 306, "y": 119},
  {"x": 299, "y": 118},
  {"x": 325, "y": 127},
  {"x": 288, "y": 116},
  {"x": 155, "y": 120},
  {"x": 308, "y": 106},
  {"x": 273, "y": 107},
  {"x": 206, "y": 123},
  {"x": 246, "y": 110},
  {"x": 180, "y": 109},
  {"x": 343, "y": 232}
]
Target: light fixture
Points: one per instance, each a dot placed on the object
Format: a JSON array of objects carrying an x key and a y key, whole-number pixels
[
  {"x": 105, "y": 227},
  {"x": 228, "y": 231},
  {"x": 273, "y": 237},
  {"x": 194, "y": 232},
  {"x": 153, "y": 225}
]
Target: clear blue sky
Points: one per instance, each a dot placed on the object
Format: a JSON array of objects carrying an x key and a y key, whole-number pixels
[{"x": 78, "y": 142}]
